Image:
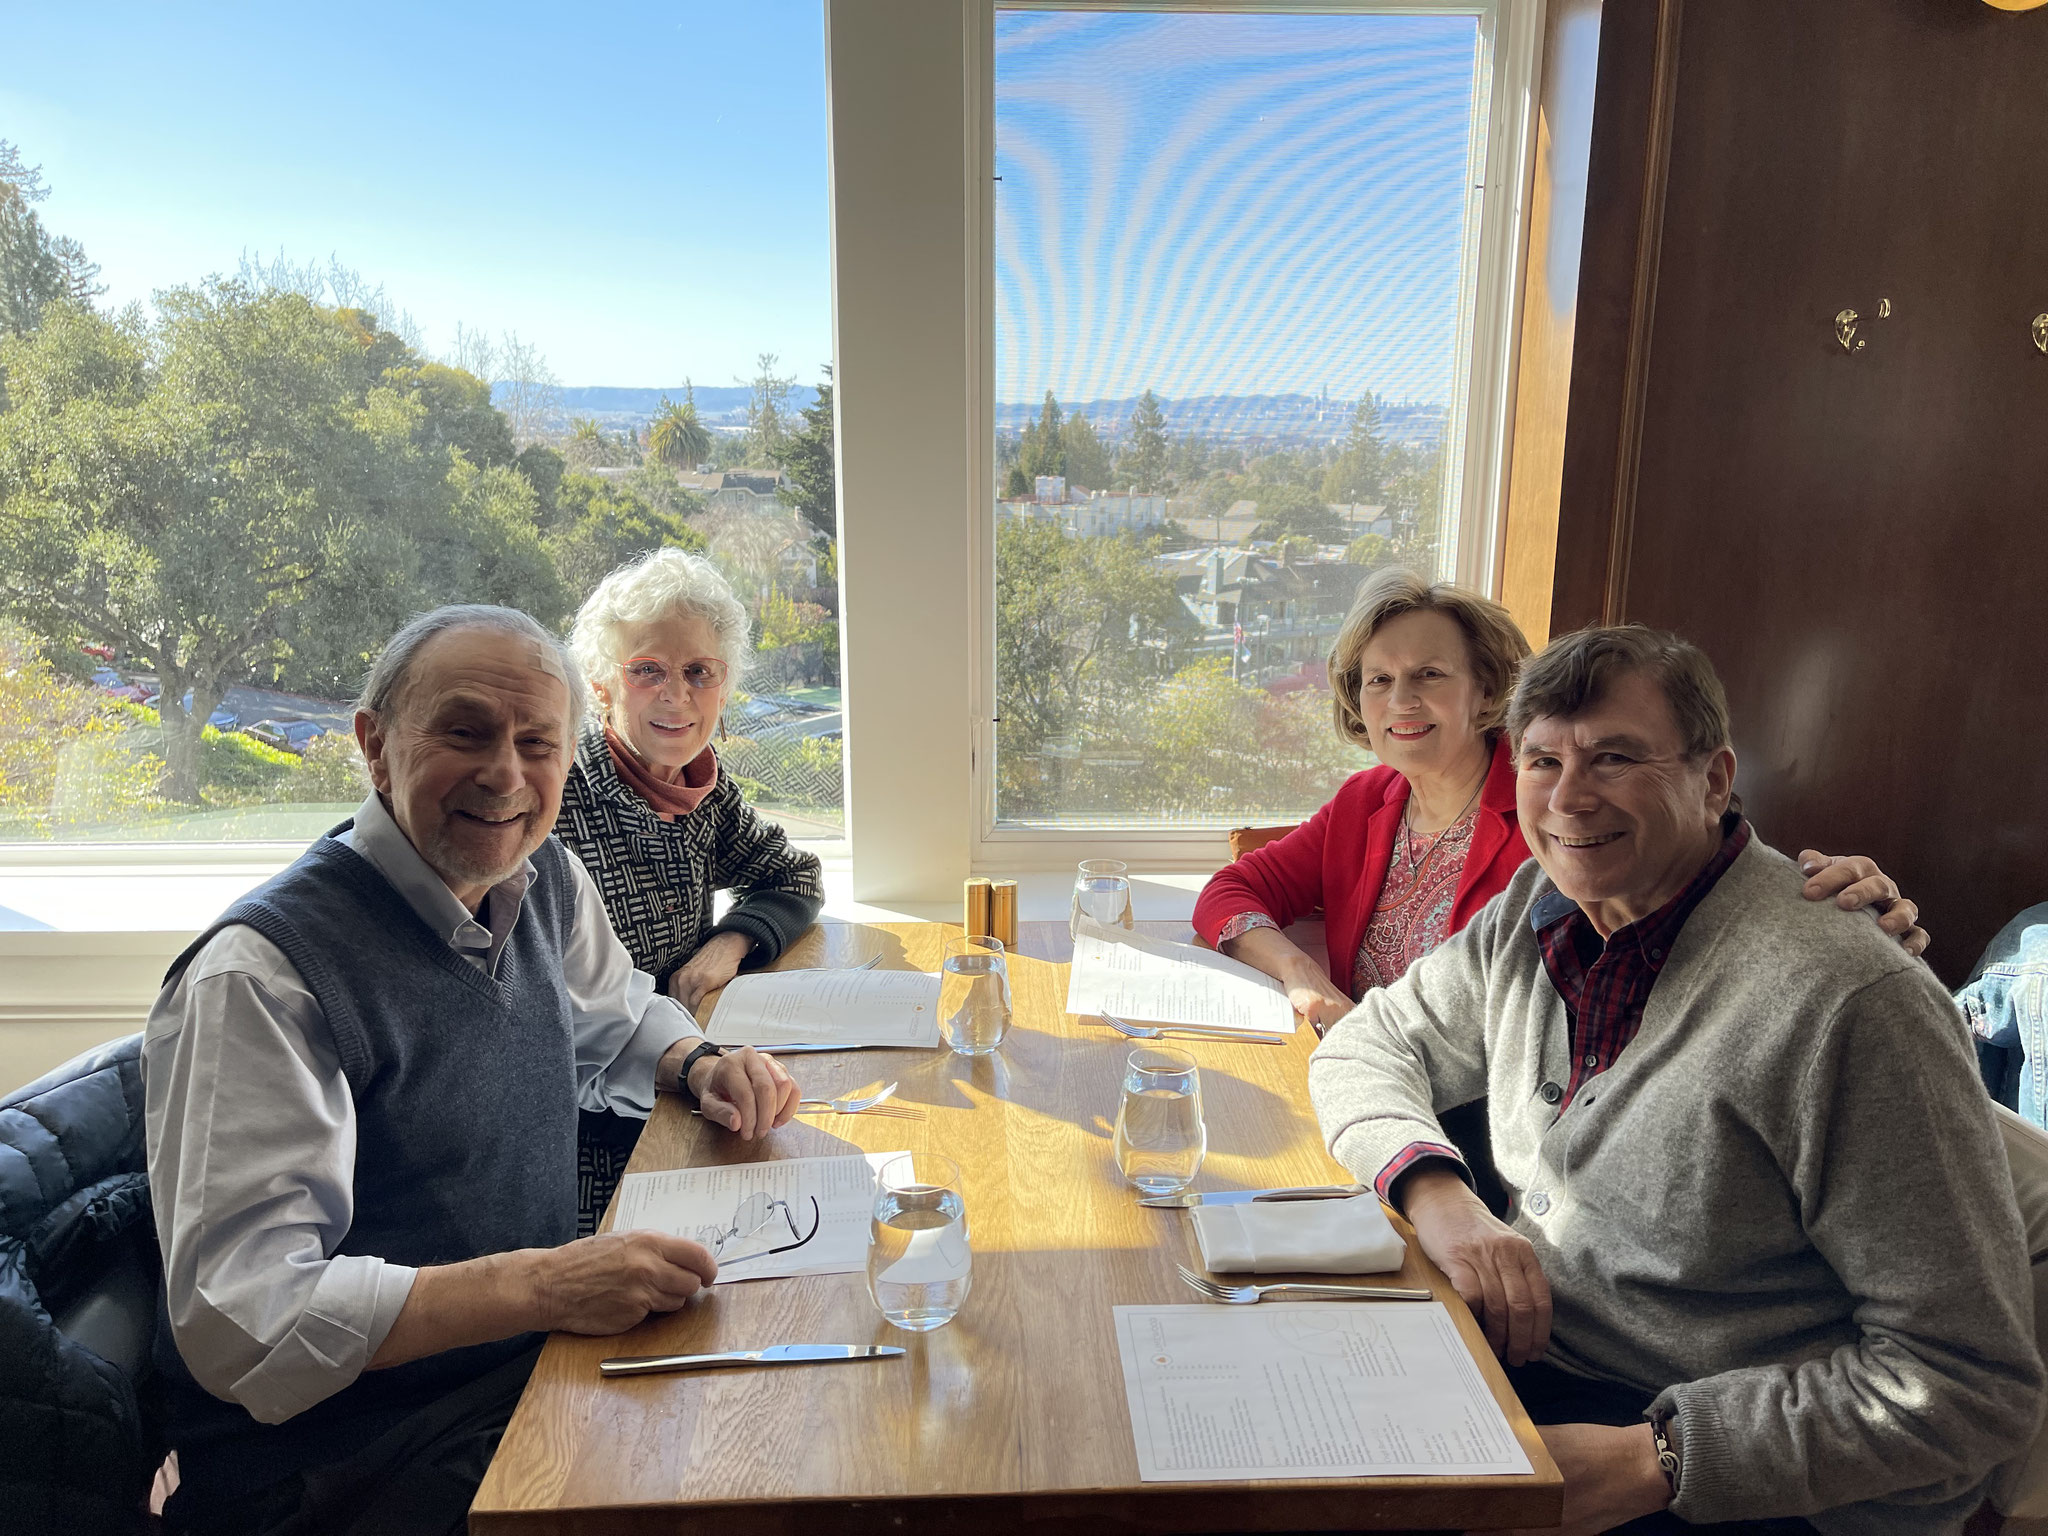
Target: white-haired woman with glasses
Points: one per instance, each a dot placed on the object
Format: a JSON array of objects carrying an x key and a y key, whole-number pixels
[{"x": 661, "y": 643}]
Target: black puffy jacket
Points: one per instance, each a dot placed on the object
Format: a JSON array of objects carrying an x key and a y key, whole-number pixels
[{"x": 76, "y": 1244}]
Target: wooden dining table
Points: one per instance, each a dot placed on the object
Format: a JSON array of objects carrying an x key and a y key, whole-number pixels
[{"x": 1012, "y": 1415}]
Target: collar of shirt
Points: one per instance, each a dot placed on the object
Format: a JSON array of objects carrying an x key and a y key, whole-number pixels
[
  {"x": 380, "y": 840},
  {"x": 1605, "y": 987}
]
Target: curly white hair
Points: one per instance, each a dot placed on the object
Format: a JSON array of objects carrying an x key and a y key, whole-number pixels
[{"x": 663, "y": 583}]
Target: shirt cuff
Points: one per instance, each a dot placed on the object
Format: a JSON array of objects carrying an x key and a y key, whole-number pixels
[
  {"x": 1242, "y": 924},
  {"x": 330, "y": 1344},
  {"x": 629, "y": 1080},
  {"x": 1383, "y": 1183}
]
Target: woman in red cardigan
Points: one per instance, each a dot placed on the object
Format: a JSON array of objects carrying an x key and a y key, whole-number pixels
[{"x": 1404, "y": 854}]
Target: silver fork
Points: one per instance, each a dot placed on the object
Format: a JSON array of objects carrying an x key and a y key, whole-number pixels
[
  {"x": 1242, "y": 1294},
  {"x": 863, "y": 1104},
  {"x": 1150, "y": 1032},
  {"x": 856, "y": 1104}
]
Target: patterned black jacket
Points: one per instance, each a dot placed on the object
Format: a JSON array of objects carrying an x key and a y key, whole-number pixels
[{"x": 657, "y": 877}]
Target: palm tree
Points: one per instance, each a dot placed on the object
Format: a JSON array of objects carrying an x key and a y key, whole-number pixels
[{"x": 677, "y": 438}]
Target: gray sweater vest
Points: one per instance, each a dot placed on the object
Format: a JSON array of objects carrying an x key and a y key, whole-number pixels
[{"x": 465, "y": 1103}]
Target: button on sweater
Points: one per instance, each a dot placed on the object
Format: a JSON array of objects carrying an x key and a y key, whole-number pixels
[{"x": 1785, "y": 1214}]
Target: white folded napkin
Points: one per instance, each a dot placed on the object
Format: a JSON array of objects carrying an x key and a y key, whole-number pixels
[{"x": 1323, "y": 1237}]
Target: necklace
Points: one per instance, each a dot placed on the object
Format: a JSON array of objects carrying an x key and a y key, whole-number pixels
[{"x": 1408, "y": 834}]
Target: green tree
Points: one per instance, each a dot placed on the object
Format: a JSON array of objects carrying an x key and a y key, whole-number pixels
[
  {"x": 1083, "y": 627},
  {"x": 1415, "y": 495},
  {"x": 599, "y": 525},
  {"x": 1360, "y": 471},
  {"x": 1145, "y": 454},
  {"x": 767, "y": 410},
  {"x": 678, "y": 439},
  {"x": 1087, "y": 460},
  {"x": 1042, "y": 450},
  {"x": 1371, "y": 550},
  {"x": 1286, "y": 508},
  {"x": 37, "y": 269},
  {"x": 807, "y": 458},
  {"x": 1018, "y": 485},
  {"x": 237, "y": 476}
]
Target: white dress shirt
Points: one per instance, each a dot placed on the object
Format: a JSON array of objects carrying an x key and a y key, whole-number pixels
[{"x": 252, "y": 1134}]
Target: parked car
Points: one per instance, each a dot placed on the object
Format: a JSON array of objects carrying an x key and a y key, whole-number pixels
[
  {"x": 292, "y": 736},
  {"x": 109, "y": 680},
  {"x": 103, "y": 653},
  {"x": 222, "y": 719}
]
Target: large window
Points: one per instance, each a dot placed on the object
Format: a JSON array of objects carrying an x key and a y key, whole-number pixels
[
  {"x": 1236, "y": 297},
  {"x": 301, "y": 334}
]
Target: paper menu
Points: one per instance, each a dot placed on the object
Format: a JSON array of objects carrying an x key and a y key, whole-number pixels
[
  {"x": 1287, "y": 1390},
  {"x": 828, "y": 1007},
  {"x": 1152, "y": 981},
  {"x": 793, "y": 1216}
]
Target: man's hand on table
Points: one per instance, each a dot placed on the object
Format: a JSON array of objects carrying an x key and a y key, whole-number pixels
[
  {"x": 611, "y": 1282},
  {"x": 1611, "y": 1476},
  {"x": 743, "y": 1090},
  {"x": 716, "y": 962},
  {"x": 1492, "y": 1266}
]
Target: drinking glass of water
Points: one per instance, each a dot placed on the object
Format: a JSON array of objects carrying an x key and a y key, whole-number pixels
[
  {"x": 919, "y": 1266},
  {"x": 1102, "y": 894},
  {"x": 974, "y": 995},
  {"x": 1159, "y": 1134}
]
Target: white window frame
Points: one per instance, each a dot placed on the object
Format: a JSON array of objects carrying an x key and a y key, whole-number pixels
[
  {"x": 911, "y": 87},
  {"x": 1505, "y": 88}
]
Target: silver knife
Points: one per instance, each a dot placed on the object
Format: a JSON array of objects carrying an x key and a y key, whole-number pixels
[
  {"x": 1249, "y": 1196},
  {"x": 775, "y": 1354}
]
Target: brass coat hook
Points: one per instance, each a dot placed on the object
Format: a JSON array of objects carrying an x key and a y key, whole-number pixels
[
  {"x": 2041, "y": 331},
  {"x": 1847, "y": 321}
]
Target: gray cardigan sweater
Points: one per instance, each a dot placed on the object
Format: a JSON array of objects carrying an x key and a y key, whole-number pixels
[{"x": 1783, "y": 1211}]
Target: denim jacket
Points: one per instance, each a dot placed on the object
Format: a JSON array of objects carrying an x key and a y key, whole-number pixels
[{"x": 2006, "y": 1002}]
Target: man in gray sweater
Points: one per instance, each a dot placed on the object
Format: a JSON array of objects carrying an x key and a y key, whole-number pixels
[{"x": 1760, "y": 1235}]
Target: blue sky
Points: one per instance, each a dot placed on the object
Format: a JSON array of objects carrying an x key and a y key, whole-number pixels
[
  {"x": 640, "y": 189},
  {"x": 1229, "y": 204},
  {"x": 1191, "y": 203}
]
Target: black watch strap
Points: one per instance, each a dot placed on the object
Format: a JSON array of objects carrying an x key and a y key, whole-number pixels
[{"x": 706, "y": 1048}]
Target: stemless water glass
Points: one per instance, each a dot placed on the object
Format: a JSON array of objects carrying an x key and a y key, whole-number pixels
[
  {"x": 1102, "y": 895},
  {"x": 1159, "y": 1134},
  {"x": 974, "y": 995},
  {"x": 919, "y": 1265}
]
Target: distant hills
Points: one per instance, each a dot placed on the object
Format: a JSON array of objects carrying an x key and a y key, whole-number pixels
[{"x": 1275, "y": 419}]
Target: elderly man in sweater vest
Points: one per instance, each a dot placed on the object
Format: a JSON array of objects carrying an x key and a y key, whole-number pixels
[
  {"x": 361, "y": 1089},
  {"x": 1761, "y": 1261}
]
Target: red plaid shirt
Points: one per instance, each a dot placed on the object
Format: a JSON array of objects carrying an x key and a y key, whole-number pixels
[{"x": 1605, "y": 987}]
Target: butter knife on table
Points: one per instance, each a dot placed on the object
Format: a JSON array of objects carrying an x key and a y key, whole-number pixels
[
  {"x": 775, "y": 1354},
  {"x": 1184, "y": 1202}
]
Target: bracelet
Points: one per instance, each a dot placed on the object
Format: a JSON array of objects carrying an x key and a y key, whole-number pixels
[
  {"x": 689, "y": 1061},
  {"x": 1667, "y": 1458}
]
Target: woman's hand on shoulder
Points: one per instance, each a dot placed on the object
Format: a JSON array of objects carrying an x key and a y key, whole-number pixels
[
  {"x": 1855, "y": 882},
  {"x": 714, "y": 964}
]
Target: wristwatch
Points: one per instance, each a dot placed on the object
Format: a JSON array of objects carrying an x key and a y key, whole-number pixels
[{"x": 705, "y": 1048}]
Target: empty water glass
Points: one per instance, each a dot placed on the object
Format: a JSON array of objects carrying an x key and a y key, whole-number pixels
[
  {"x": 1160, "y": 1138},
  {"x": 974, "y": 995},
  {"x": 919, "y": 1264},
  {"x": 1102, "y": 895}
]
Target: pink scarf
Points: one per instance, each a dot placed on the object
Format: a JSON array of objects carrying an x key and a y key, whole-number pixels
[{"x": 700, "y": 777}]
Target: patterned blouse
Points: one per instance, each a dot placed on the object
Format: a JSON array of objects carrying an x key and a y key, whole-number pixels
[
  {"x": 1414, "y": 908},
  {"x": 657, "y": 877}
]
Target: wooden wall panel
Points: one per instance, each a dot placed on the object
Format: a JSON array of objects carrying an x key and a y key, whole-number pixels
[{"x": 1856, "y": 536}]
